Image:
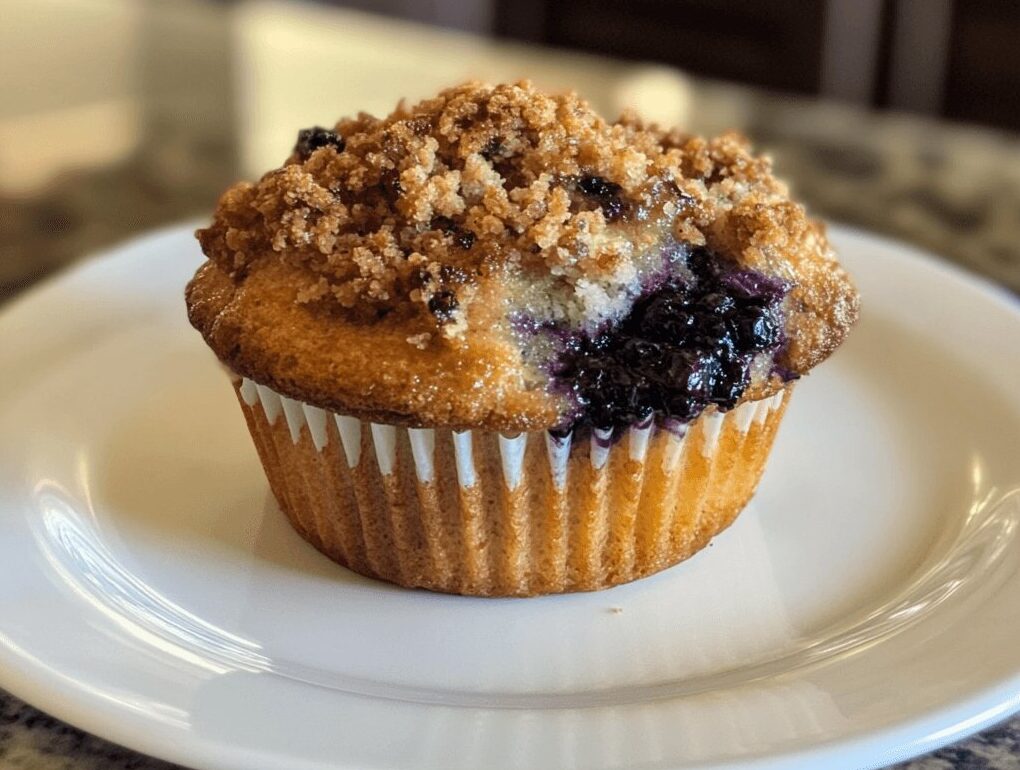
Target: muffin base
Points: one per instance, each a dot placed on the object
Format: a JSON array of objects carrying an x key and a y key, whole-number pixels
[{"x": 482, "y": 514}]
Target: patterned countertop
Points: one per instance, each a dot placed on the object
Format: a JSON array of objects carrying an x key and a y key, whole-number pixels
[
  {"x": 30, "y": 740},
  {"x": 952, "y": 190}
]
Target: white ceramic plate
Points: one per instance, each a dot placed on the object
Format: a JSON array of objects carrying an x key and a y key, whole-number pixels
[{"x": 863, "y": 609}]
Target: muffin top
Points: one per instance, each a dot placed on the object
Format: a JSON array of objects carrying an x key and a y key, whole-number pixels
[{"x": 497, "y": 257}]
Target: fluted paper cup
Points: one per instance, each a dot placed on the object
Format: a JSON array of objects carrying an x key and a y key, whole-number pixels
[{"x": 487, "y": 514}]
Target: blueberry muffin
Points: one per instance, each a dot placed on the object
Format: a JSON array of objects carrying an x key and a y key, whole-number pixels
[{"x": 493, "y": 344}]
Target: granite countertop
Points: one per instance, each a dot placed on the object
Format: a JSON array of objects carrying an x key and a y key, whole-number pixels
[
  {"x": 31, "y": 740},
  {"x": 952, "y": 190}
]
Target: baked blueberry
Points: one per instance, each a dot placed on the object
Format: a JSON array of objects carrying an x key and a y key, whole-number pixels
[
  {"x": 688, "y": 343},
  {"x": 311, "y": 139}
]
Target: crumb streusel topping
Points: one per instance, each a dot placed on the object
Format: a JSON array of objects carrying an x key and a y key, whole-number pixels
[{"x": 406, "y": 213}]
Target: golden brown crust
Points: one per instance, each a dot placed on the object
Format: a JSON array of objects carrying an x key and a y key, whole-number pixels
[
  {"x": 381, "y": 280},
  {"x": 261, "y": 333},
  {"x": 780, "y": 240}
]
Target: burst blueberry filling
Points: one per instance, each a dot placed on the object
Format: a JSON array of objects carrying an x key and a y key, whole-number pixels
[{"x": 689, "y": 344}]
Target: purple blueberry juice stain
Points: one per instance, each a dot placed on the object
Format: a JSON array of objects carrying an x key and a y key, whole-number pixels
[
  {"x": 605, "y": 194},
  {"x": 686, "y": 345},
  {"x": 673, "y": 255}
]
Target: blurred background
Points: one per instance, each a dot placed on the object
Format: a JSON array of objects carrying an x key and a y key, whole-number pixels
[{"x": 117, "y": 116}]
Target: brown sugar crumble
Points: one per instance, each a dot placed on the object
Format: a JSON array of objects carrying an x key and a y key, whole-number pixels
[{"x": 405, "y": 214}]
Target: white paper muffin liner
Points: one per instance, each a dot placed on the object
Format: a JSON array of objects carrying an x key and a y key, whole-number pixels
[{"x": 483, "y": 513}]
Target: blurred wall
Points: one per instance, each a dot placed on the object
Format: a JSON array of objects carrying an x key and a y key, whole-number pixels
[{"x": 955, "y": 58}]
